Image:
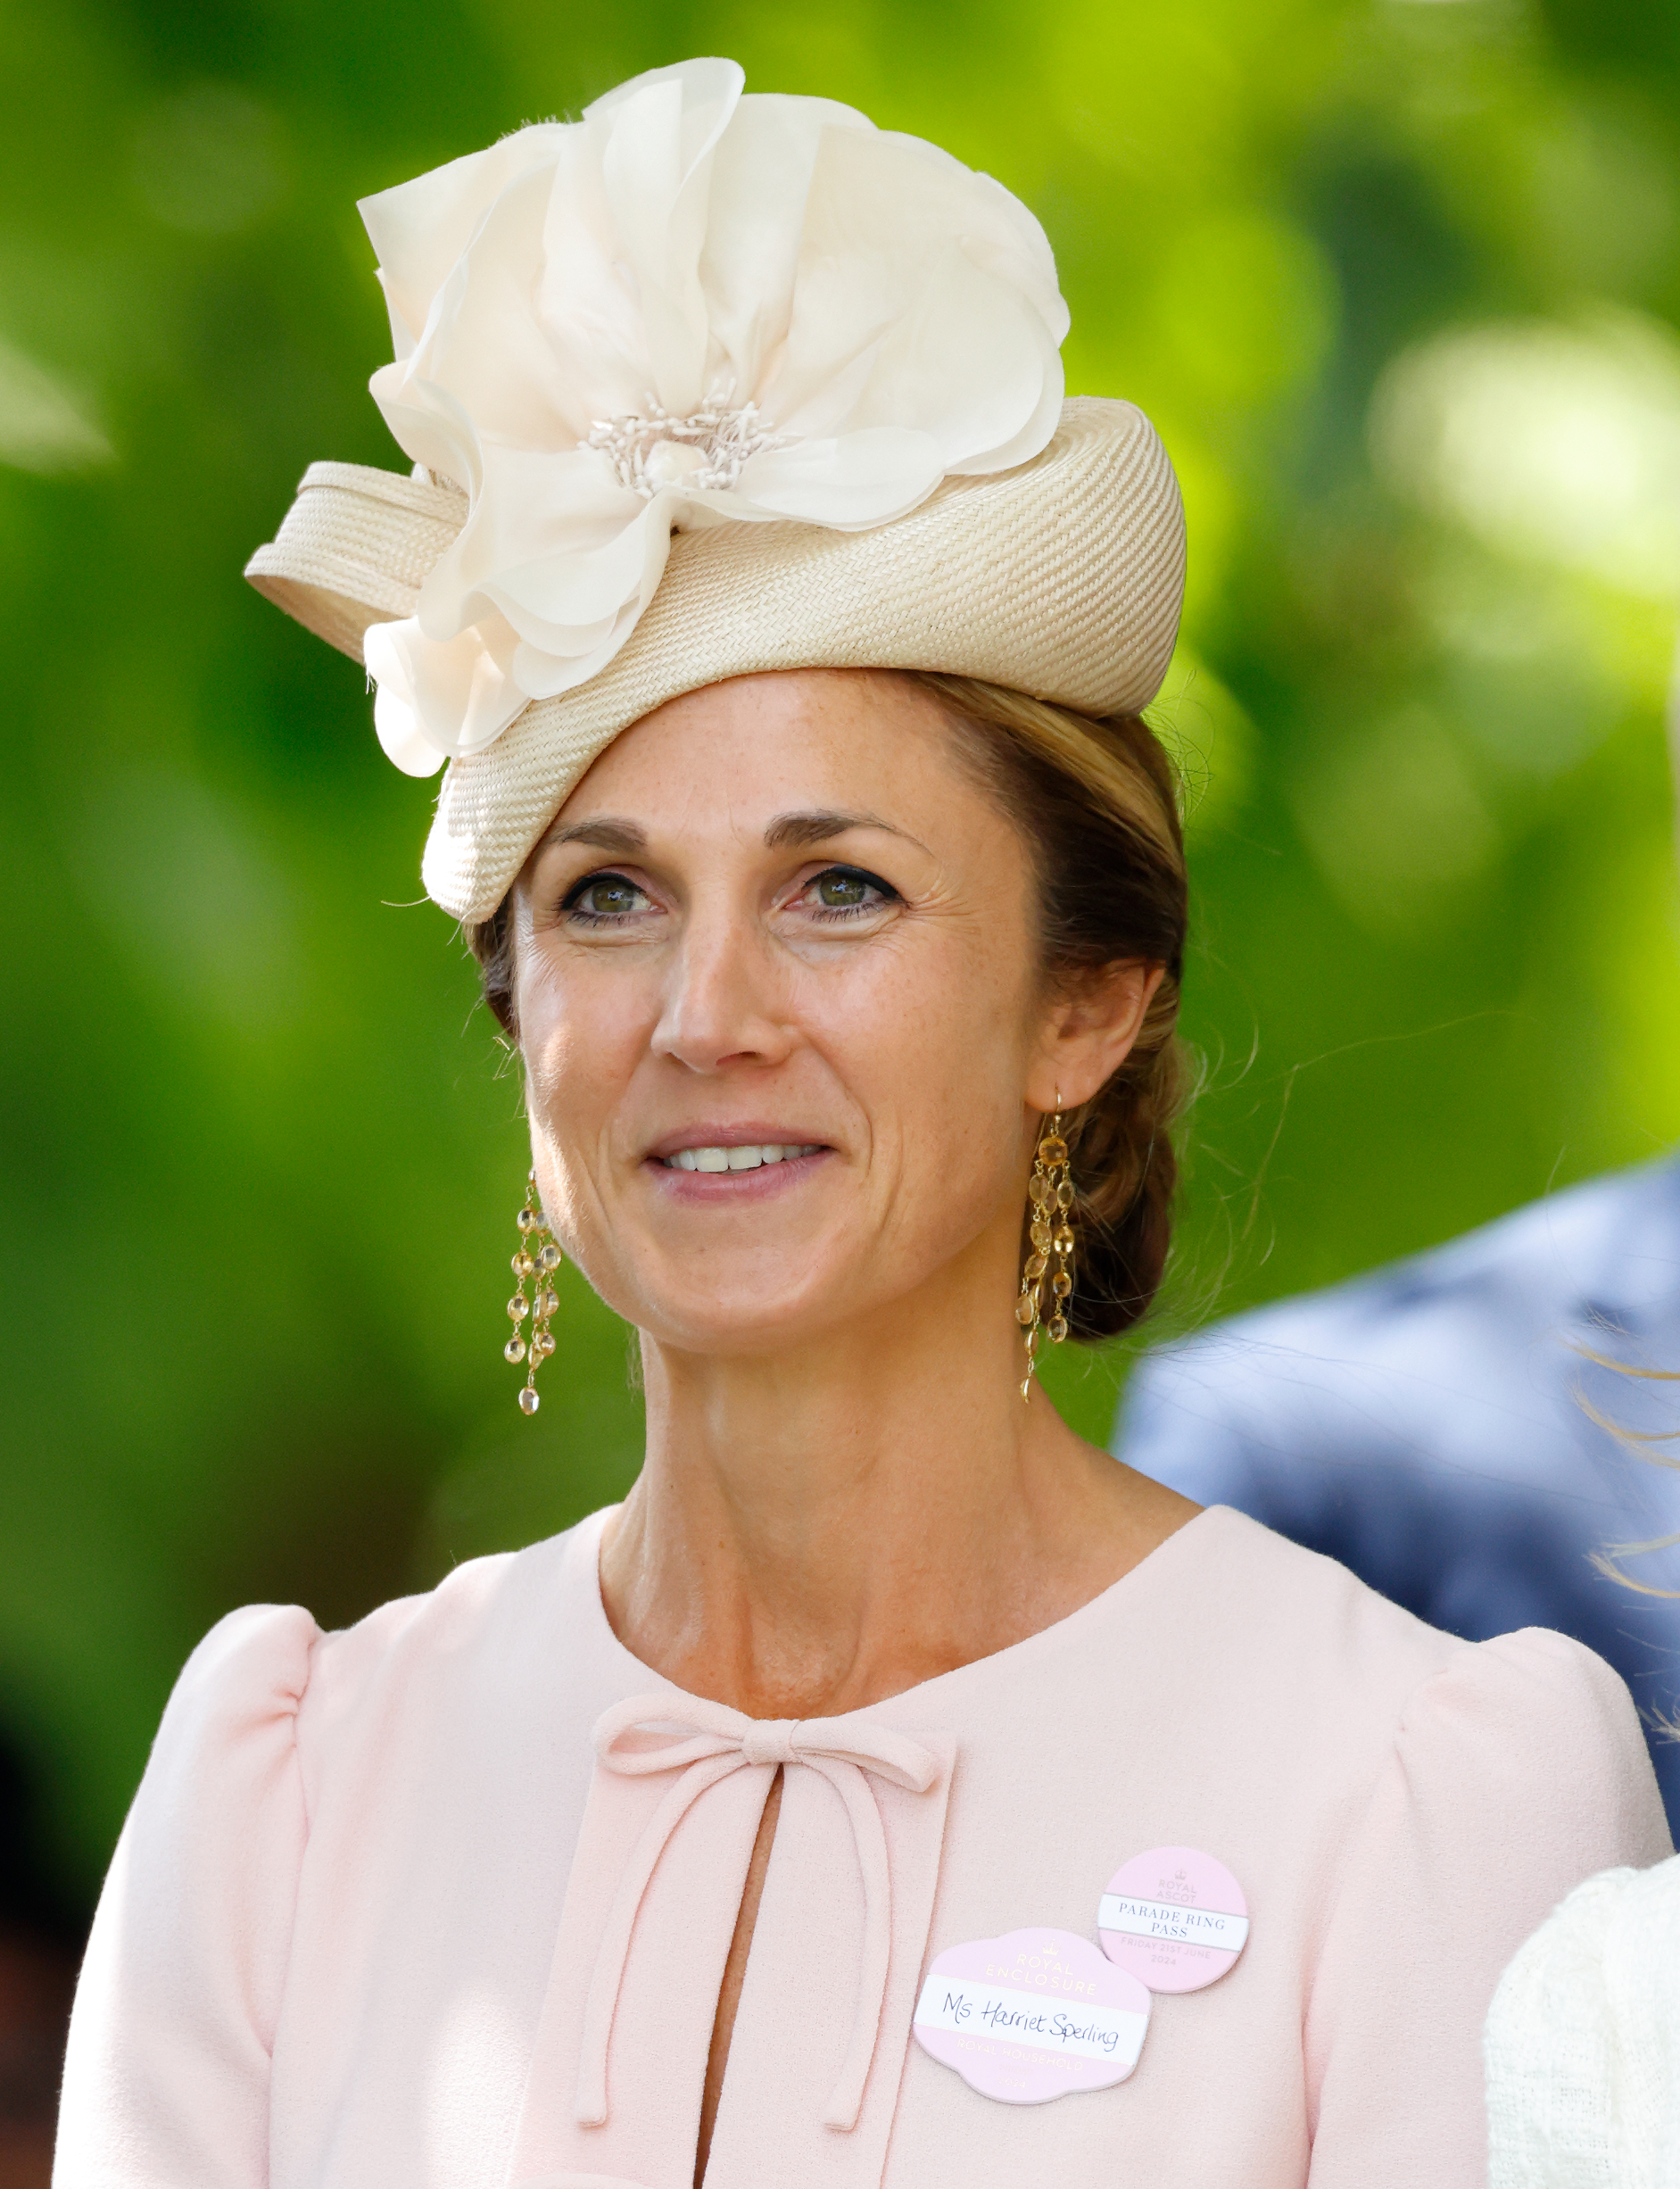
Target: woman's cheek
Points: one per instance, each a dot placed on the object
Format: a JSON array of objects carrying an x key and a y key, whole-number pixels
[{"x": 584, "y": 1028}]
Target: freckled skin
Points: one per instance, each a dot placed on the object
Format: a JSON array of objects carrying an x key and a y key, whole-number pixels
[{"x": 843, "y": 1494}]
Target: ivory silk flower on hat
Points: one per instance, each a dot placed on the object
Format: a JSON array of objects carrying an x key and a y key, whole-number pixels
[{"x": 689, "y": 308}]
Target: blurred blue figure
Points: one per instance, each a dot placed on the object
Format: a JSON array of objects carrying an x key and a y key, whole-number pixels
[{"x": 1427, "y": 1426}]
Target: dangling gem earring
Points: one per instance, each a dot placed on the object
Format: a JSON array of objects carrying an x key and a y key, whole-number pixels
[
  {"x": 1049, "y": 1232},
  {"x": 538, "y": 1257}
]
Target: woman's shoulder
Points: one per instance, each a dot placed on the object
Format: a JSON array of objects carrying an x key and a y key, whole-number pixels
[
  {"x": 267, "y": 1664},
  {"x": 1454, "y": 1791},
  {"x": 234, "y": 1704},
  {"x": 1316, "y": 1610},
  {"x": 1351, "y": 1664}
]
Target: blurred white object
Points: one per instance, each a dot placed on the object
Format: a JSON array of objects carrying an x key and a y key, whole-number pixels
[
  {"x": 42, "y": 427},
  {"x": 1583, "y": 2042},
  {"x": 1551, "y": 442}
]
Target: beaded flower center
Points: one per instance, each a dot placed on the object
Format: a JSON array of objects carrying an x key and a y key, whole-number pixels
[{"x": 704, "y": 450}]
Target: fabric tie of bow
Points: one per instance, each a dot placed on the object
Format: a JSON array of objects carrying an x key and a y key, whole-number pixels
[{"x": 703, "y": 1743}]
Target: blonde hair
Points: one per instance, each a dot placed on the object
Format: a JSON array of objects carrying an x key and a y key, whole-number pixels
[{"x": 1644, "y": 1443}]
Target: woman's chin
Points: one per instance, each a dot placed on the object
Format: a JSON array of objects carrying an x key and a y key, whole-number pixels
[{"x": 734, "y": 1307}]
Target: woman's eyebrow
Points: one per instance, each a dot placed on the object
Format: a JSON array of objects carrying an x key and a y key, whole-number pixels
[
  {"x": 603, "y": 834},
  {"x": 629, "y": 839},
  {"x": 788, "y": 829}
]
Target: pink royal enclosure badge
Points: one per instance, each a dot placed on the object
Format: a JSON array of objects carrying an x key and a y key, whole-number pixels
[
  {"x": 1031, "y": 2016},
  {"x": 1175, "y": 1918}
]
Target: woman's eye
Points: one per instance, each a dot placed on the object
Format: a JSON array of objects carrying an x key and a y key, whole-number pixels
[
  {"x": 834, "y": 890},
  {"x": 606, "y": 897},
  {"x": 839, "y": 890}
]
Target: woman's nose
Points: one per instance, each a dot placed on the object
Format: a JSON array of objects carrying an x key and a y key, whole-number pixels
[{"x": 726, "y": 1002}]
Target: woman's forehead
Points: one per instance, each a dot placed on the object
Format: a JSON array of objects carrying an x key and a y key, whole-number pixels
[{"x": 866, "y": 743}]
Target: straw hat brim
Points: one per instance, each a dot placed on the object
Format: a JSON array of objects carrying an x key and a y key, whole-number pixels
[{"x": 1063, "y": 578}]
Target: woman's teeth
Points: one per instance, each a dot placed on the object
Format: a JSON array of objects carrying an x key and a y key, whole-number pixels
[{"x": 733, "y": 1158}]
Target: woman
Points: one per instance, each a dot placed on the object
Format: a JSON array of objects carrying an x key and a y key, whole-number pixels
[{"x": 786, "y": 637}]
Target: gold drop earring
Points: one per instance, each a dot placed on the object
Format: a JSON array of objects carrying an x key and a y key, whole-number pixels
[
  {"x": 1049, "y": 1233},
  {"x": 538, "y": 1258}
]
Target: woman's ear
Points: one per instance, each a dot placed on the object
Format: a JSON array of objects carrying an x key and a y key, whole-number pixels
[{"x": 1088, "y": 1030}]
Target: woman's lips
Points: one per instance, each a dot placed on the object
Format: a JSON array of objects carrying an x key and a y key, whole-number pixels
[
  {"x": 750, "y": 1169},
  {"x": 749, "y": 1156}
]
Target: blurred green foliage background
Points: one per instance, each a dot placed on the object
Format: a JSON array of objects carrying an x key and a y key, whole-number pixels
[{"x": 1399, "y": 281}]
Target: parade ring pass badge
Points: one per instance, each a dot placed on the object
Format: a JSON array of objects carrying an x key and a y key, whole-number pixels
[
  {"x": 1031, "y": 2016},
  {"x": 1175, "y": 1918}
]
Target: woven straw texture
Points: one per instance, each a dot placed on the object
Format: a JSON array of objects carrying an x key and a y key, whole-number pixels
[
  {"x": 1063, "y": 578},
  {"x": 354, "y": 549}
]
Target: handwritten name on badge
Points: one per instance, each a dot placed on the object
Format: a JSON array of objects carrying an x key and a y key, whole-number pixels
[
  {"x": 1175, "y": 1917},
  {"x": 1031, "y": 2016}
]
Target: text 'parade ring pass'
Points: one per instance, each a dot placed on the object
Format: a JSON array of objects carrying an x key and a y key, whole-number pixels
[{"x": 1173, "y": 1918}]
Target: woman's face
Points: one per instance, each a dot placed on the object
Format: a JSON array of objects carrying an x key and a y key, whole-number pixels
[{"x": 784, "y": 1030}]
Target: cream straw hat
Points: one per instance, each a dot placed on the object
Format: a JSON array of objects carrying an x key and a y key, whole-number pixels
[{"x": 814, "y": 479}]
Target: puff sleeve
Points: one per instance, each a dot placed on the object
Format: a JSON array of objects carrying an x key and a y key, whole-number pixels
[
  {"x": 1583, "y": 2042},
  {"x": 1516, "y": 1770},
  {"x": 166, "y": 2079}
]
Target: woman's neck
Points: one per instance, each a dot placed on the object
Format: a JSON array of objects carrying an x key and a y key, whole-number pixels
[{"x": 816, "y": 1530}]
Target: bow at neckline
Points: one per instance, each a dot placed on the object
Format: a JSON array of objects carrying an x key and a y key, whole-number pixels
[{"x": 702, "y": 1742}]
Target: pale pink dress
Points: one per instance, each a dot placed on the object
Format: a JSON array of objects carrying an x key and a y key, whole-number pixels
[{"x": 443, "y": 1902}]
